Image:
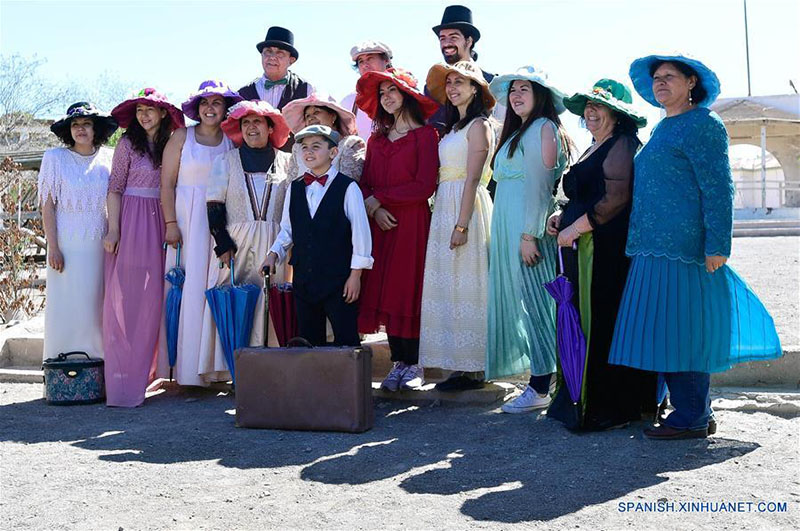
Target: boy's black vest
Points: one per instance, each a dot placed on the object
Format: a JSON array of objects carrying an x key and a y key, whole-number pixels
[{"x": 323, "y": 245}]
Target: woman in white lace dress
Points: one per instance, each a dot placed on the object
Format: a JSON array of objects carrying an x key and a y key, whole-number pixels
[
  {"x": 455, "y": 289},
  {"x": 73, "y": 182}
]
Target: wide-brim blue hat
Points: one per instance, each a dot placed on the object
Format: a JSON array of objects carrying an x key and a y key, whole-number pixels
[
  {"x": 643, "y": 81},
  {"x": 500, "y": 85}
]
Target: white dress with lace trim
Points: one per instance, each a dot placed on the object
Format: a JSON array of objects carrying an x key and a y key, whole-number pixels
[
  {"x": 73, "y": 314},
  {"x": 78, "y": 185},
  {"x": 456, "y": 283}
]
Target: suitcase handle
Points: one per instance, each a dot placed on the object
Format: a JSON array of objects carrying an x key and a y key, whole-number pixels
[
  {"x": 64, "y": 355},
  {"x": 299, "y": 342}
]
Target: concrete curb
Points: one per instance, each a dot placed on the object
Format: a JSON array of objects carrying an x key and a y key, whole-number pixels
[
  {"x": 21, "y": 358},
  {"x": 489, "y": 394},
  {"x": 781, "y": 372}
]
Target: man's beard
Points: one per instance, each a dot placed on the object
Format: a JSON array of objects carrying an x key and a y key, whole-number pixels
[{"x": 451, "y": 59}]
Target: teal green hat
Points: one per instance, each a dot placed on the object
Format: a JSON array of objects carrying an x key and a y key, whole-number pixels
[{"x": 610, "y": 93}]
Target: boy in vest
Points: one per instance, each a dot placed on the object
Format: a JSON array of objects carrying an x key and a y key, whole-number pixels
[{"x": 325, "y": 224}]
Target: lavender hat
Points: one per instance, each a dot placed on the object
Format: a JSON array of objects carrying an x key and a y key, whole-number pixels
[{"x": 208, "y": 88}]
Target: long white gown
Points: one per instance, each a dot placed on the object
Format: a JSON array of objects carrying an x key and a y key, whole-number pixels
[
  {"x": 456, "y": 284},
  {"x": 192, "y": 217},
  {"x": 78, "y": 184}
]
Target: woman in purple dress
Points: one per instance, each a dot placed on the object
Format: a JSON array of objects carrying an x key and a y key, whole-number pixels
[{"x": 134, "y": 268}]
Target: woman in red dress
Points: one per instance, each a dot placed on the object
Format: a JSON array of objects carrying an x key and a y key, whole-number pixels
[{"x": 399, "y": 177}]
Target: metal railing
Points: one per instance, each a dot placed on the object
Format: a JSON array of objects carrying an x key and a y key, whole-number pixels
[{"x": 764, "y": 187}]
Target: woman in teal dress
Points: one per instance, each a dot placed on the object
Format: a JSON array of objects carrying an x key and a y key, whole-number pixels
[
  {"x": 684, "y": 313},
  {"x": 533, "y": 153}
]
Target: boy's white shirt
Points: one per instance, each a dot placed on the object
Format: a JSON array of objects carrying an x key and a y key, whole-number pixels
[{"x": 354, "y": 210}]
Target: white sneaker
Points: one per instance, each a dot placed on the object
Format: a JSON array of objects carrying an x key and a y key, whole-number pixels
[
  {"x": 528, "y": 401},
  {"x": 413, "y": 378}
]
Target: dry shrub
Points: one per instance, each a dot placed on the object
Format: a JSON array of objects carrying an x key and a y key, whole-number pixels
[{"x": 19, "y": 289}]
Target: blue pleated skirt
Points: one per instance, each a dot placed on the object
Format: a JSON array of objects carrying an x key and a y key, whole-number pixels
[{"x": 676, "y": 317}]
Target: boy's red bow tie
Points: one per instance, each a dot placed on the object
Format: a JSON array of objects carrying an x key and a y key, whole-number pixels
[{"x": 309, "y": 178}]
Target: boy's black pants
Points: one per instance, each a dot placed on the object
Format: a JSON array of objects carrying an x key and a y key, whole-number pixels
[{"x": 343, "y": 317}]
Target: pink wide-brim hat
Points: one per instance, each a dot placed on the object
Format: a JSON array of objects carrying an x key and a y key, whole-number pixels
[
  {"x": 125, "y": 112},
  {"x": 211, "y": 87},
  {"x": 367, "y": 91},
  {"x": 294, "y": 112},
  {"x": 233, "y": 128}
]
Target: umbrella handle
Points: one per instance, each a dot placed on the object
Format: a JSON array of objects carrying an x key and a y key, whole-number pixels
[
  {"x": 178, "y": 256},
  {"x": 561, "y": 256},
  {"x": 231, "y": 268}
]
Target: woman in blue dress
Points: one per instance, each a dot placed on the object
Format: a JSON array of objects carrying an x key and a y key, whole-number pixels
[
  {"x": 533, "y": 153},
  {"x": 684, "y": 313}
]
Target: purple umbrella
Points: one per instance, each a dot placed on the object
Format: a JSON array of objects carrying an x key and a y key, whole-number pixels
[{"x": 571, "y": 341}]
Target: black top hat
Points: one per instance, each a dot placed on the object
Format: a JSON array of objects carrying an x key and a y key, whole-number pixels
[
  {"x": 460, "y": 18},
  {"x": 280, "y": 38}
]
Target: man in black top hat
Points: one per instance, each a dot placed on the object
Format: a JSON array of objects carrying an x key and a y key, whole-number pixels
[
  {"x": 457, "y": 37},
  {"x": 279, "y": 85}
]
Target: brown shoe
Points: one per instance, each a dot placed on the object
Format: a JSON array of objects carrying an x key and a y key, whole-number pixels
[{"x": 664, "y": 432}]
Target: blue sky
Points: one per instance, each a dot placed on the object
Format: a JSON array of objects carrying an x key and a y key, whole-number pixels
[{"x": 173, "y": 45}]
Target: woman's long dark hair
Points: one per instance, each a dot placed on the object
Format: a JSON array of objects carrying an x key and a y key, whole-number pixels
[
  {"x": 514, "y": 127},
  {"x": 138, "y": 137},
  {"x": 476, "y": 108},
  {"x": 384, "y": 121}
]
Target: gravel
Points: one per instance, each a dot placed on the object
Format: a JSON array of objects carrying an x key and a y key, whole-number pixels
[{"x": 179, "y": 463}]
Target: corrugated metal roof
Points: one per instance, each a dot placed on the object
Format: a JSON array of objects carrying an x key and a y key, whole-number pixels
[{"x": 783, "y": 108}]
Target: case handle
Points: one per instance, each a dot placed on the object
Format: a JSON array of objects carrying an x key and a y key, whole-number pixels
[
  {"x": 64, "y": 355},
  {"x": 299, "y": 342}
]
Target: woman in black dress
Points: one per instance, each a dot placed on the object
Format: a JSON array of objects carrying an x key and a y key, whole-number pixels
[{"x": 592, "y": 231}]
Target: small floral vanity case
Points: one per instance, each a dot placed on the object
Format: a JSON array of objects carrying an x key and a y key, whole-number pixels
[{"x": 73, "y": 378}]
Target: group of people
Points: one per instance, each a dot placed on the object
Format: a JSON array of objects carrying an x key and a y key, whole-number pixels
[{"x": 428, "y": 213}]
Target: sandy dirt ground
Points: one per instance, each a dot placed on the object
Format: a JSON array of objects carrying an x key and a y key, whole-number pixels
[
  {"x": 179, "y": 462},
  {"x": 771, "y": 266}
]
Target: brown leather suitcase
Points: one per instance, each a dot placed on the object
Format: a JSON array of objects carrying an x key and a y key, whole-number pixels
[{"x": 305, "y": 388}]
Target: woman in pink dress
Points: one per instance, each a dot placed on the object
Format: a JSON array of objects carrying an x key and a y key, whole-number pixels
[{"x": 134, "y": 268}]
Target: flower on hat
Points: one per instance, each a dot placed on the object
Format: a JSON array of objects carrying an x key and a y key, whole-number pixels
[
  {"x": 603, "y": 93},
  {"x": 404, "y": 75},
  {"x": 82, "y": 109}
]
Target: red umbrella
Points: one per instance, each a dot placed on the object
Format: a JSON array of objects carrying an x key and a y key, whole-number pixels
[{"x": 283, "y": 313}]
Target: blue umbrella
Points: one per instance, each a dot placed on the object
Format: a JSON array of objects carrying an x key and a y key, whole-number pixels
[
  {"x": 569, "y": 335},
  {"x": 172, "y": 309},
  {"x": 233, "y": 308}
]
